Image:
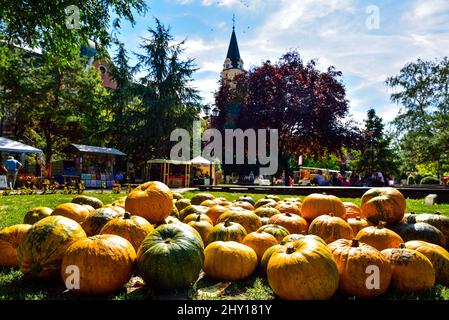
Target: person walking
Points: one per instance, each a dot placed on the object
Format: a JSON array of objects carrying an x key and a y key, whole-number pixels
[
  {"x": 12, "y": 166},
  {"x": 251, "y": 178}
]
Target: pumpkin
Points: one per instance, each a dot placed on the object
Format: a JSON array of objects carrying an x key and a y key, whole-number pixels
[
  {"x": 229, "y": 260},
  {"x": 303, "y": 270},
  {"x": 215, "y": 212},
  {"x": 209, "y": 203},
  {"x": 171, "y": 219},
  {"x": 95, "y": 221},
  {"x": 247, "y": 199},
  {"x": 152, "y": 200},
  {"x": 267, "y": 255},
  {"x": 92, "y": 209},
  {"x": 437, "y": 255},
  {"x": 120, "y": 202},
  {"x": 132, "y": 228},
  {"x": 357, "y": 224},
  {"x": 264, "y": 201},
  {"x": 316, "y": 204},
  {"x": 170, "y": 257},
  {"x": 265, "y": 221},
  {"x": 195, "y": 216},
  {"x": 248, "y": 219},
  {"x": 288, "y": 207},
  {"x": 174, "y": 211},
  {"x": 41, "y": 250},
  {"x": 72, "y": 211},
  {"x": 272, "y": 197},
  {"x": 411, "y": 270},
  {"x": 177, "y": 195},
  {"x": 279, "y": 232},
  {"x": 412, "y": 230},
  {"x": 331, "y": 228},
  {"x": 438, "y": 221},
  {"x": 182, "y": 203},
  {"x": 91, "y": 201},
  {"x": 409, "y": 215},
  {"x": 191, "y": 209},
  {"x": 379, "y": 237},
  {"x": 105, "y": 264},
  {"x": 35, "y": 214},
  {"x": 119, "y": 210},
  {"x": 203, "y": 227},
  {"x": 244, "y": 204},
  {"x": 221, "y": 201},
  {"x": 292, "y": 222},
  {"x": 353, "y": 262},
  {"x": 293, "y": 237},
  {"x": 259, "y": 242},
  {"x": 10, "y": 238},
  {"x": 383, "y": 204},
  {"x": 352, "y": 210},
  {"x": 227, "y": 231},
  {"x": 266, "y": 211},
  {"x": 200, "y": 197},
  {"x": 293, "y": 199}
]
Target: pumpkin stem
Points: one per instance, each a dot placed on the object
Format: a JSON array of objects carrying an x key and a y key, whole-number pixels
[
  {"x": 331, "y": 214},
  {"x": 288, "y": 214},
  {"x": 358, "y": 218},
  {"x": 227, "y": 223},
  {"x": 354, "y": 243},
  {"x": 127, "y": 215},
  {"x": 437, "y": 212},
  {"x": 198, "y": 218},
  {"x": 325, "y": 193},
  {"x": 290, "y": 250},
  {"x": 381, "y": 224},
  {"x": 402, "y": 246}
]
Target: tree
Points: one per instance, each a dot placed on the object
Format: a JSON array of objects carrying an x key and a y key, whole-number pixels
[
  {"x": 422, "y": 89},
  {"x": 377, "y": 155}
]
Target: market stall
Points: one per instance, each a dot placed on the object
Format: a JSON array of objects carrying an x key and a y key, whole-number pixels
[
  {"x": 175, "y": 174},
  {"x": 90, "y": 164},
  {"x": 204, "y": 171}
]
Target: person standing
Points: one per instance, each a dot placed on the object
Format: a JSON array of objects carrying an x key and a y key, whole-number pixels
[
  {"x": 251, "y": 178},
  {"x": 12, "y": 166}
]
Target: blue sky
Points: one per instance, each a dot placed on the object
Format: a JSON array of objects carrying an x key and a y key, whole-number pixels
[{"x": 334, "y": 32}]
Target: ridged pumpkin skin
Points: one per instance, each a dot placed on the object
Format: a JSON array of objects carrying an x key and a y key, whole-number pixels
[
  {"x": 73, "y": 211},
  {"x": 195, "y": 216},
  {"x": 192, "y": 209},
  {"x": 353, "y": 259},
  {"x": 35, "y": 214},
  {"x": 215, "y": 212},
  {"x": 120, "y": 202},
  {"x": 379, "y": 237},
  {"x": 279, "y": 232},
  {"x": 247, "y": 199},
  {"x": 352, "y": 210},
  {"x": 411, "y": 270},
  {"x": 438, "y": 221},
  {"x": 289, "y": 207},
  {"x": 437, "y": 255},
  {"x": 413, "y": 230},
  {"x": 209, "y": 203},
  {"x": 266, "y": 212},
  {"x": 170, "y": 257},
  {"x": 383, "y": 204},
  {"x": 92, "y": 209},
  {"x": 10, "y": 238},
  {"x": 358, "y": 224},
  {"x": 227, "y": 231},
  {"x": 92, "y": 201},
  {"x": 182, "y": 203},
  {"x": 259, "y": 242},
  {"x": 105, "y": 263},
  {"x": 292, "y": 222},
  {"x": 132, "y": 228},
  {"x": 177, "y": 195},
  {"x": 200, "y": 197},
  {"x": 95, "y": 221},
  {"x": 152, "y": 200},
  {"x": 203, "y": 227},
  {"x": 265, "y": 201},
  {"x": 303, "y": 270},
  {"x": 265, "y": 221},
  {"x": 273, "y": 197},
  {"x": 229, "y": 260},
  {"x": 267, "y": 255},
  {"x": 243, "y": 204},
  {"x": 295, "y": 236},
  {"x": 41, "y": 250},
  {"x": 317, "y": 204},
  {"x": 331, "y": 228},
  {"x": 248, "y": 219}
]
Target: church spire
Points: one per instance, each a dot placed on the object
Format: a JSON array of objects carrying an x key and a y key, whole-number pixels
[{"x": 233, "y": 60}]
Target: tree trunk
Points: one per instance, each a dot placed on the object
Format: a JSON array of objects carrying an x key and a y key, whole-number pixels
[{"x": 440, "y": 170}]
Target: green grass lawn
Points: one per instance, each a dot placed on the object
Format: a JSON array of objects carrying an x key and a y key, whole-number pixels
[{"x": 13, "y": 285}]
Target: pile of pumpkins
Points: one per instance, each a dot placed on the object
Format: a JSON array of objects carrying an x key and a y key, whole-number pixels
[{"x": 309, "y": 249}]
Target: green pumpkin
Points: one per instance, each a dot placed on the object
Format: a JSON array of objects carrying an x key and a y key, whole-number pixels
[
  {"x": 192, "y": 209},
  {"x": 36, "y": 214},
  {"x": 267, "y": 255},
  {"x": 177, "y": 195},
  {"x": 227, "y": 231},
  {"x": 96, "y": 220},
  {"x": 438, "y": 221},
  {"x": 170, "y": 257},
  {"x": 265, "y": 201},
  {"x": 412, "y": 230},
  {"x": 278, "y": 232},
  {"x": 200, "y": 197},
  {"x": 247, "y": 199},
  {"x": 182, "y": 203},
  {"x": 92, "y": 201},
  {"x": 293, "y": 237},
  {"x": 266, "y": 211}
]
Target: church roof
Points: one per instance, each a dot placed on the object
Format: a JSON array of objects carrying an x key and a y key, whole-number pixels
[{"x": 233, "y": 50}]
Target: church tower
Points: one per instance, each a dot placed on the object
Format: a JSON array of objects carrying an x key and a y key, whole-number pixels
[{"x": 233, "y": 64}]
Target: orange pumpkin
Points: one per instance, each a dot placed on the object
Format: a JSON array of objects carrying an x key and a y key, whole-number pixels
[
  {"x": 229, "y": 260},
  {"x": 353, "y": 261},
  {"x": 292, "y": 222},
  {"x": 358, "y": 224},
  {"x": 331, "y": 228},
  {"x": 264, "y": 201},
  {"x": 244, "y": 204},
  {"x": 411, "y": 270},
  {"x": 227, "y": 231},
  {"x": 209, "y": 203},
  {"x": 289, "y": 207},
  {"x": 35, "y": 214},
  {"x": 73, "y": 211},
  {"x": 352, "y": 210},
  {"x": 105, "y": 264},
  {"x": 379, "y": 237},
  {"x": 248, "y": 219},
  {"x": 279, "y": 232},
  {"x": 96, "y": 220},
  {"x": 132, "y": 228},
  {"x": 259, "y": 242},
  {"x": 10, "y": 237},
  {"x": 200, "y": 197},
  {"x": 203, "y": 227},
  {"x": 118, "y": 209},
  {"x": 317, "y": 204},
  {"x": 195, "y": 216},
  {"x": 152, "y": 200},
  {"x": 266, "y": 212},
  {"x": 383, "y": 204},
  {"x": 215, "y": 212}
]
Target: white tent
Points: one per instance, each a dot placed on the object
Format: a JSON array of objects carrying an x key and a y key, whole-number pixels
[
  {"x": 8, "y": 145},
  {"x": 200, "y": 161}
]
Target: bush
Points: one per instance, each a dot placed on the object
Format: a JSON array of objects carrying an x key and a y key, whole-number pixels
[
  {"x": 411, "y": 180},
  {"x": 430, "y": 180}
]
